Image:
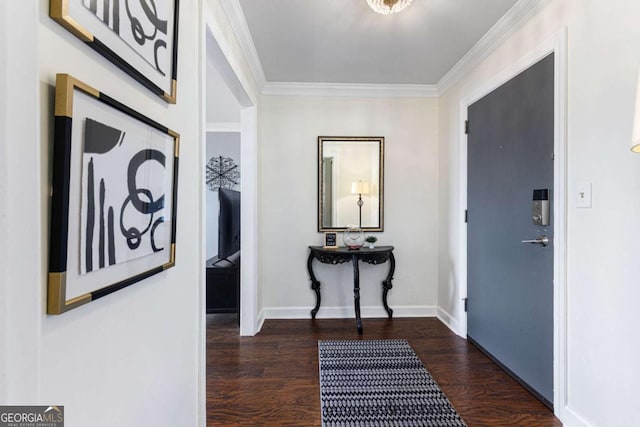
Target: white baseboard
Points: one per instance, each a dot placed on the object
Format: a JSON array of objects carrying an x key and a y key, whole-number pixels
[
  {"x": 366, "y": 312},
  {"x": 449, "y": 321},
  {"x": 260, "y": 320},
  {"x": 346, "y": 312},
  {"x": 570, "y": 418}
]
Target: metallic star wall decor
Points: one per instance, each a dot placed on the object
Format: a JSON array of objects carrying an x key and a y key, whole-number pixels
[{"x": 222, "y": 172}]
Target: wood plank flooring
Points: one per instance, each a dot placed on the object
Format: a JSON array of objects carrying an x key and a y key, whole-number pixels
[{"x": 272, "y": 379}]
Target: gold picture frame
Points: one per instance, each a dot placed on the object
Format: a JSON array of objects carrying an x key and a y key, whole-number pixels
[
  {"x": 350, "y": 183},
  {"x": 100, "y": 145},
  {"x": 140, "y": 38}
]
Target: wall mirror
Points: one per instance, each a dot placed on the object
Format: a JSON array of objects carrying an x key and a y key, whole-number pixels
[{"x": 350, "y": 182}]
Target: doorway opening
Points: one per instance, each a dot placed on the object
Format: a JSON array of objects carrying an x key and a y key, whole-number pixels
[
  {"x": 223, "y": 221},
  {"x": 223, "y": 197},
  {"x": 230, "y": 183}
]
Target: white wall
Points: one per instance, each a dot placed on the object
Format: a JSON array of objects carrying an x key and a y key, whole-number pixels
[
  {"x": 226, "y": 144},
  {"x": 21, "y": 225},
  {"x": 139, "y": 352},
  {"x": 602, "y": 272},
  {"x": 4, "y": 237},
  {"x": 288, "y": 187},
  {"x": 222, "y": 105}
]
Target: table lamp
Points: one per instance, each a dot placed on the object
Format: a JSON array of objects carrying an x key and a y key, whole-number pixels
[{"x": 360, "y": 188}]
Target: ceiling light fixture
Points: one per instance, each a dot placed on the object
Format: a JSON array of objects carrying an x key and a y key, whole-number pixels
[{"x": 387, "y": 7}]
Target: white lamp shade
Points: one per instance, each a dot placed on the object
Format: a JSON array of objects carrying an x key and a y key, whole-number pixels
[
  {"x": 360, "y": 187},
  {"x": 635, "y": 136}
]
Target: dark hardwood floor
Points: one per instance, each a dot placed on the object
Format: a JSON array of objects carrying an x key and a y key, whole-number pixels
[{"x": 272, "y": 379}]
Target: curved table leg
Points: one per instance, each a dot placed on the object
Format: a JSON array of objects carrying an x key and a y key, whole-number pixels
[
  {"x": 315, "y": 285},
  {"x": 356, "y": 292},
  {"x": 387, "y": 285}
]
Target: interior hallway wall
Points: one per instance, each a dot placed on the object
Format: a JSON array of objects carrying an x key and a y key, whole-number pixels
[
  {"x": 290, "y": 127},
  {"x": 137, "y": 349},
  {"x": 135, "y": 357}
]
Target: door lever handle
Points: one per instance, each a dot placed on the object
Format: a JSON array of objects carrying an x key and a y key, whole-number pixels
[{"x": 541, "y": 240}]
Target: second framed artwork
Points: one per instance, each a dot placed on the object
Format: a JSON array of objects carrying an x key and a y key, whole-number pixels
[
  {"x": 113, "y": 209},
  {"x": 138, "y": 36}
]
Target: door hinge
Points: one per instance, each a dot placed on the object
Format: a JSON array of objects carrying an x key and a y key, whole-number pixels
[
  {"x": 466, "y": 304},
  {"x": 466, "y": 127},
  {"x": 466, "y": 216}
]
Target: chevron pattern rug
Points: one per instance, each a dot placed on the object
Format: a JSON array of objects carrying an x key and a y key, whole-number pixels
[{"x": 379, "y": 383}]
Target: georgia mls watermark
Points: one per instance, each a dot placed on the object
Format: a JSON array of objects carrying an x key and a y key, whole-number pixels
[{"x": 31, "y": 416}]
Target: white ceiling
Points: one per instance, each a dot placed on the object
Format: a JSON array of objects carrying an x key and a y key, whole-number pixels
[{"x": 344, "y": 41}]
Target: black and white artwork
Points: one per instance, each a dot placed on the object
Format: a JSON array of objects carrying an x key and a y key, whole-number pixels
[
  {"x": 222, "y": 172},
  {"x": 115, "y": 189},
  {"x": 122, "y": 211},
  {"x": 142, "y": 24},
  {"x": 139, "y": 36}
]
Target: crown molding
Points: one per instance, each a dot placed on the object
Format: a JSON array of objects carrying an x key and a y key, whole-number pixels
[
  {"x": 362, "y": 90},
  {"x": 234, "y": 13},
  {"x": 222, "y": 127},
  {"x": 511, "y": 22}
]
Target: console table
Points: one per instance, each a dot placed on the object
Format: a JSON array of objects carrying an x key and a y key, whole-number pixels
[{"x": 378, "y": 255}]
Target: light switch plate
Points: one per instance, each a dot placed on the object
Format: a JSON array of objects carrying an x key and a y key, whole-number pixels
[{"x": 583, "y": 194}]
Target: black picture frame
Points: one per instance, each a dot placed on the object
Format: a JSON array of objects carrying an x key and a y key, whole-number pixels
[
  {"x": 89, "y": 256},
  {"x": 139, "y": 37},
  {"x": 330, "y": 240}
]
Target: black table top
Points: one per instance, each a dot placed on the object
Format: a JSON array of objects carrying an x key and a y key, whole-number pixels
[{"x": 346, "y": 250}]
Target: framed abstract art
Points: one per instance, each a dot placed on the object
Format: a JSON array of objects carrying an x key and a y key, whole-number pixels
[
  {"x": 138, "y": 36},
  {"x": 113, "y": 208}
]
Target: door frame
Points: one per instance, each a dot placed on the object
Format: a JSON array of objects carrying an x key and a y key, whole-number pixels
[
  {"x": 215, "y": 47},
  {"x": 556, "y": 44}
]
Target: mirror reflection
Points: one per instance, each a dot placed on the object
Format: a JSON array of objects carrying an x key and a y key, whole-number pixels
[{"x": 350, "y": 183}]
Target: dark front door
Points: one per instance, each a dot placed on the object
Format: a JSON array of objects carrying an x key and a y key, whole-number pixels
[{"x": 510, "y": 283}]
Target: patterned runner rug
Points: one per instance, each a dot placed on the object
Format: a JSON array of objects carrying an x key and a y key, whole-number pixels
[{"x": 379, "y": 383}]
